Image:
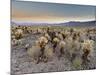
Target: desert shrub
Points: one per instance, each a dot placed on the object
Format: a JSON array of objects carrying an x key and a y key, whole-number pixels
[{"x": 77, "y": 63}]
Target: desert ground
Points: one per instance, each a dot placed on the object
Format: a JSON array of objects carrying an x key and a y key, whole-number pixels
[{"x": 37, "y": 49}]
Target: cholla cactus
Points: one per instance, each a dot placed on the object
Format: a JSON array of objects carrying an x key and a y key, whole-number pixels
[
  {"x": 87, "y": 47},
  {"x": 38, "y": 50},
  {"x": 48, "y": 53},
  {"x": 47, "y": 36},
  {"x": 34, "y": 52},
  {"x": 59, "y": 35},
  {"x": 15, "y": 42},
  {"x": 56, "y": 40},
  {"x": 75, "y": 50},
  {"x": 76, "y": 36},
  {"x": 42, "y": 41},
  {"x": 63, "y": 34},
  {"x": 62, "y": 45},
  {"x": 39, "y": 30},
  {"x": 72, "y": 47},
  {"x": 18, "y": 34},
  {"x": 69, "y": 42},
  {"x": 55, "y": 43},
  {"x": 13, "y": 37}
]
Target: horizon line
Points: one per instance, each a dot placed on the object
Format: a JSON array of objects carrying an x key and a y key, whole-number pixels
[{"x": 49, "y": 22}]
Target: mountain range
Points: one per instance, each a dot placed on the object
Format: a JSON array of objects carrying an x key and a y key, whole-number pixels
[{"x": 71, "y": 23}]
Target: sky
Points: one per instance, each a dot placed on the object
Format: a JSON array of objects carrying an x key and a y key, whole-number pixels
[{"x": 51, "y": 12}]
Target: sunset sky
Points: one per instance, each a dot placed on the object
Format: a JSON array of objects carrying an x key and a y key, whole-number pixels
[{"x": 50, "y": 12}]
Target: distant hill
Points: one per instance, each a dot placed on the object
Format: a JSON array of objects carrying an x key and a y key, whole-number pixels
[
  {"x": 71, "y": 23},
  {"x": 89, "y": 23}
]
